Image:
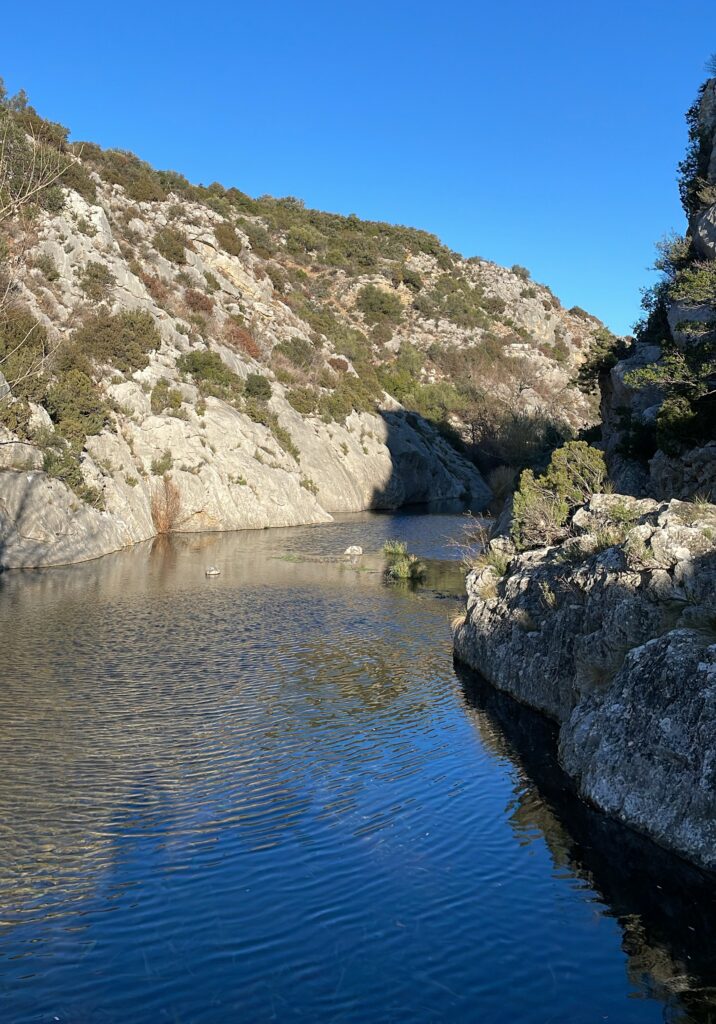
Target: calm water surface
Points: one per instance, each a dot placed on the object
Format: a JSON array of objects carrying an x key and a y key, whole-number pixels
[{"x": 269, "y": 797}]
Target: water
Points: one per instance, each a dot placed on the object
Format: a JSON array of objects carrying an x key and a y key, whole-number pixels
[{"x": 268, "y": 797}]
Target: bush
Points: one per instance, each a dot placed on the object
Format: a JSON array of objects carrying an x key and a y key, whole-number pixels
[
  {"x": 227, "y": 238},
  {"x": 695, "y": 283},
  {"x": 47, "y": 266},
  {"x": 123, "y": 340},
  {"x": 410, "y": 278},
  {"x": 23, "y": 350},
  {"x": 166, "y": 505},
  {"x": 401, "y": 564},
  {"x": 164, "y": 397},
  {"x": 61, "y": 462},
  {"x": 676, "y": 425},
  {"x": 95, "y": 281},
  {"x": 197, "y": 301},
  {"x": 237, "y": 336},
  {"x": 521, "y": 272},
  {"x": 76, "y": 405},
  {"x": 257, "y": 386},
  {"x": 211, "y": 375},
  {"x": 542, "y": 504},
  {"x": 299, "y": 352},
  {"x": 303, "y": 400},
  {"x": 140, "y": 181},
  {"x": 163, "y": 464},
  {"x": 172, "y": 245},
  {"x": 379, "y": 306},
  {"x": 454, "y": 298}
]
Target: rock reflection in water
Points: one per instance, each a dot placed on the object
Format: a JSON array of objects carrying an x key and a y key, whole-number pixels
[{"x": 665, "y": 908}]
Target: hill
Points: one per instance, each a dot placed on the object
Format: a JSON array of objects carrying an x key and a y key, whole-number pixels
[{"x": 185, "y": 357}]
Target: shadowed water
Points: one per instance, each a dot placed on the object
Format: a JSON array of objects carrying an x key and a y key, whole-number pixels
[{"x": 267, "y": 796}]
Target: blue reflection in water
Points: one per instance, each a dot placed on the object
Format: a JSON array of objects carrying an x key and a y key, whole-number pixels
[{"x": 267, "y": 796}]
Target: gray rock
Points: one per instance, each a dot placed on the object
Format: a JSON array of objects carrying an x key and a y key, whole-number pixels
[
  {"x": 611, "y": 642},
  {"x": 703, "y": 232},
  {"x": 645, "y": 750}
]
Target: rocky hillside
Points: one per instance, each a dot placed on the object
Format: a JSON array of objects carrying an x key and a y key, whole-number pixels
[
  {"x": 659, "y": 394},
  {"x": 599, "y": 608},
  {"x": 180, "y": 357}
]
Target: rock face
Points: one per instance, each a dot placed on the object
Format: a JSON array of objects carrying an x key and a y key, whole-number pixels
[
  {"x": 688, "y": 323},
  {"x": 240, "y": 287},
  {"x": 612, "y": 634},
  {"x": 645, "y": 750}
]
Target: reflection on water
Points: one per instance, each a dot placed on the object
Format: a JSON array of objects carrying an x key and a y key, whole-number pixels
[
  {"x": 264, "y": 796},
  {"x": 665, "y": 907}
]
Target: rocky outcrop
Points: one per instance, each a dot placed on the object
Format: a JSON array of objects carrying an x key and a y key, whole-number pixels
[{"x": 613, "y": 635}]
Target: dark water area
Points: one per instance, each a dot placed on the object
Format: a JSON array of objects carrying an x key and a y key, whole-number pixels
[{"x": 270, "y": 796}]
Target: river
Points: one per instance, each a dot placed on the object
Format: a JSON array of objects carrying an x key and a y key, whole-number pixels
[{"x": 269, "y": 796}]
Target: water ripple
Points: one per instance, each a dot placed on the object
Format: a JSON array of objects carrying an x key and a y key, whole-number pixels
[{"x": 265, "y": 797}]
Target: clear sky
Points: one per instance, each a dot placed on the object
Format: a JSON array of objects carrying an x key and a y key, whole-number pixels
[{"x": 545, "y": 134}]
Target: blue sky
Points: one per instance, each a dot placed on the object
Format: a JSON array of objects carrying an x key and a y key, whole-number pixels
[{"x": 541, "y": 134}]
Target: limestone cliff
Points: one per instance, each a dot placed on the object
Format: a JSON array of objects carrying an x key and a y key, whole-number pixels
[{"x": 214, "y": 362}]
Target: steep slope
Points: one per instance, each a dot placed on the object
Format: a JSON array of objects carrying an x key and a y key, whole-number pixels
[{"x": 193, "y": 359}]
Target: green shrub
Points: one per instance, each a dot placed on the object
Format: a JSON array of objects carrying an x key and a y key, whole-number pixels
[
  {"x": 172, "y": 245},
  {"x": 521, "y": 272},
  {"x": 299, "y": 352},
  {"x": 406, "y": 567},
  {"x": 454, "y": 298},
  {"x": 227, "y": 238},
  {"x": 140, "y": 181},
  {"x": 62, "y": 463},
  {"x": 25, "y": 167},
  {"x": 695, "y": 283},
  {"x": 542, "y": 504},
  {"x": 15, "y": 416},
  {"x": 211, "y": 375},
  {"x": 257, "y": 386},
  {"x": 676, "y": 425},
  {"x": 303, "y": 400},
  {"x": 47, "y": 266},
  {"x": 379, "y": 306},
  {"x": 163, "y": 464},
  {"x": 260, "y": 240},
  {"x": 75, "y": 404},
  {"x": 410, "y": 278},
  {"x": 393, "y": 549},
  {"x": 123, "y": 340},
  {"x": 24, "y": 348},
  {"x": 309, "y": 485},
  {"x": 95, "y": 281},
  {"x": 164, "y": 397},
  {"x": 212, "y": 282}
]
